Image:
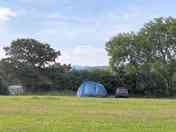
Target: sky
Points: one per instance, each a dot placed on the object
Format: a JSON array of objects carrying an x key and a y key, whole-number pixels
[{"x": 78, "y": 28}]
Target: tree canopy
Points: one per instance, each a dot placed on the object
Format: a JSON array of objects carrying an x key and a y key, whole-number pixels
[
  {"x": 30, "y": 62},
  {"x": 149, "y": 55},
  {"x": 31, "y": 52},
  {"x": 143, "y": 61}
]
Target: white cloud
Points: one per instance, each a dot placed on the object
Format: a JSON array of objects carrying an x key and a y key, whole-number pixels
[
  {"x": 84, "y": 55},
  {"x": 6, "y": 13},
  {"x": 5, "y": 16},
  {"x": 94, "y": 31},
  {"x": 67, "y": 31}
]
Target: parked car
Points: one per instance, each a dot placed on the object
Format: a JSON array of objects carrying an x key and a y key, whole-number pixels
[{"x": 121, "y": 92}]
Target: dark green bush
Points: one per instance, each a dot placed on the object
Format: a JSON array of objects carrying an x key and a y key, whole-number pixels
[{"x": 3, "y": 87}]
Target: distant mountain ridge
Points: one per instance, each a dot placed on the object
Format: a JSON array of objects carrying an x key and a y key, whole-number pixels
[{"x": 78, "y": 67}]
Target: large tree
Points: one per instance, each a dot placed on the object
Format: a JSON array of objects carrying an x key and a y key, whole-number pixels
[
  {"x": 31, "y": 52},
  {"x": 31, "y": 62},
  {"x": 147, "y": 54}
]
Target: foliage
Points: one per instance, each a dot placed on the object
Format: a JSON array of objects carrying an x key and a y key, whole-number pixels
[
  {"x": 148, "y": 56},
  {"x": 30, "y": 62},
  {"x": 71, "y": 80},
  {"x": 102, "y": 76},
  {"x": 31, "y": 52},
  {"x": 3, "y": 86},
  {"x": 144, "y": 62}
]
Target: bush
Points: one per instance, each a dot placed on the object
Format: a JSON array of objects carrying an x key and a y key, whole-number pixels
[{"x": 3, "y": 87}]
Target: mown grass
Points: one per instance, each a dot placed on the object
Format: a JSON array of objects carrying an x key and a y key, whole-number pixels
[{"x": 74, "y": 114}]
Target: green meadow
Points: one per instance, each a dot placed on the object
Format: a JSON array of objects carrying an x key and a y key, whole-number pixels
[{"x": 74, "y": 114}]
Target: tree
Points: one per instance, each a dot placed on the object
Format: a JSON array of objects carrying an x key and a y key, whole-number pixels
[
  {"x": 161, "y": 34},
  {"x": 30, "y": 62},
  {"x": 147, "y": 55},
  {"x": 31, "y": 52}
]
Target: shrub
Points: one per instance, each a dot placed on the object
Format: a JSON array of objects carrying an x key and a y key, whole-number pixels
[{"x": 3, "y": 87}]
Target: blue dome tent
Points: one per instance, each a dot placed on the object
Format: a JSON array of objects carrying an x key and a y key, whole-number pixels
[{"x": 90, "y": 88}]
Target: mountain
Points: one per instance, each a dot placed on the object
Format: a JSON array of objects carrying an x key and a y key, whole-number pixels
[{"x": 78, "y": 67}]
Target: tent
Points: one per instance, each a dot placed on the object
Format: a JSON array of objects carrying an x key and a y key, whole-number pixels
[{"x": 90, "y": 88}]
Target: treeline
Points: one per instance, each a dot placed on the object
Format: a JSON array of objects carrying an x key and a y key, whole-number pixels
[
  {"x": 144, "y": 62},
  {"x": 147, "y": 58},
  {"x": 33, "y": 64}
]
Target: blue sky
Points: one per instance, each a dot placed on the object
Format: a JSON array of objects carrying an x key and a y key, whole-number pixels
[{"x": 79, "y": 28}]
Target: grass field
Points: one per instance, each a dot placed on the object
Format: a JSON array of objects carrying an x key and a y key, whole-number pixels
[{"x": 73, "y": 114}]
